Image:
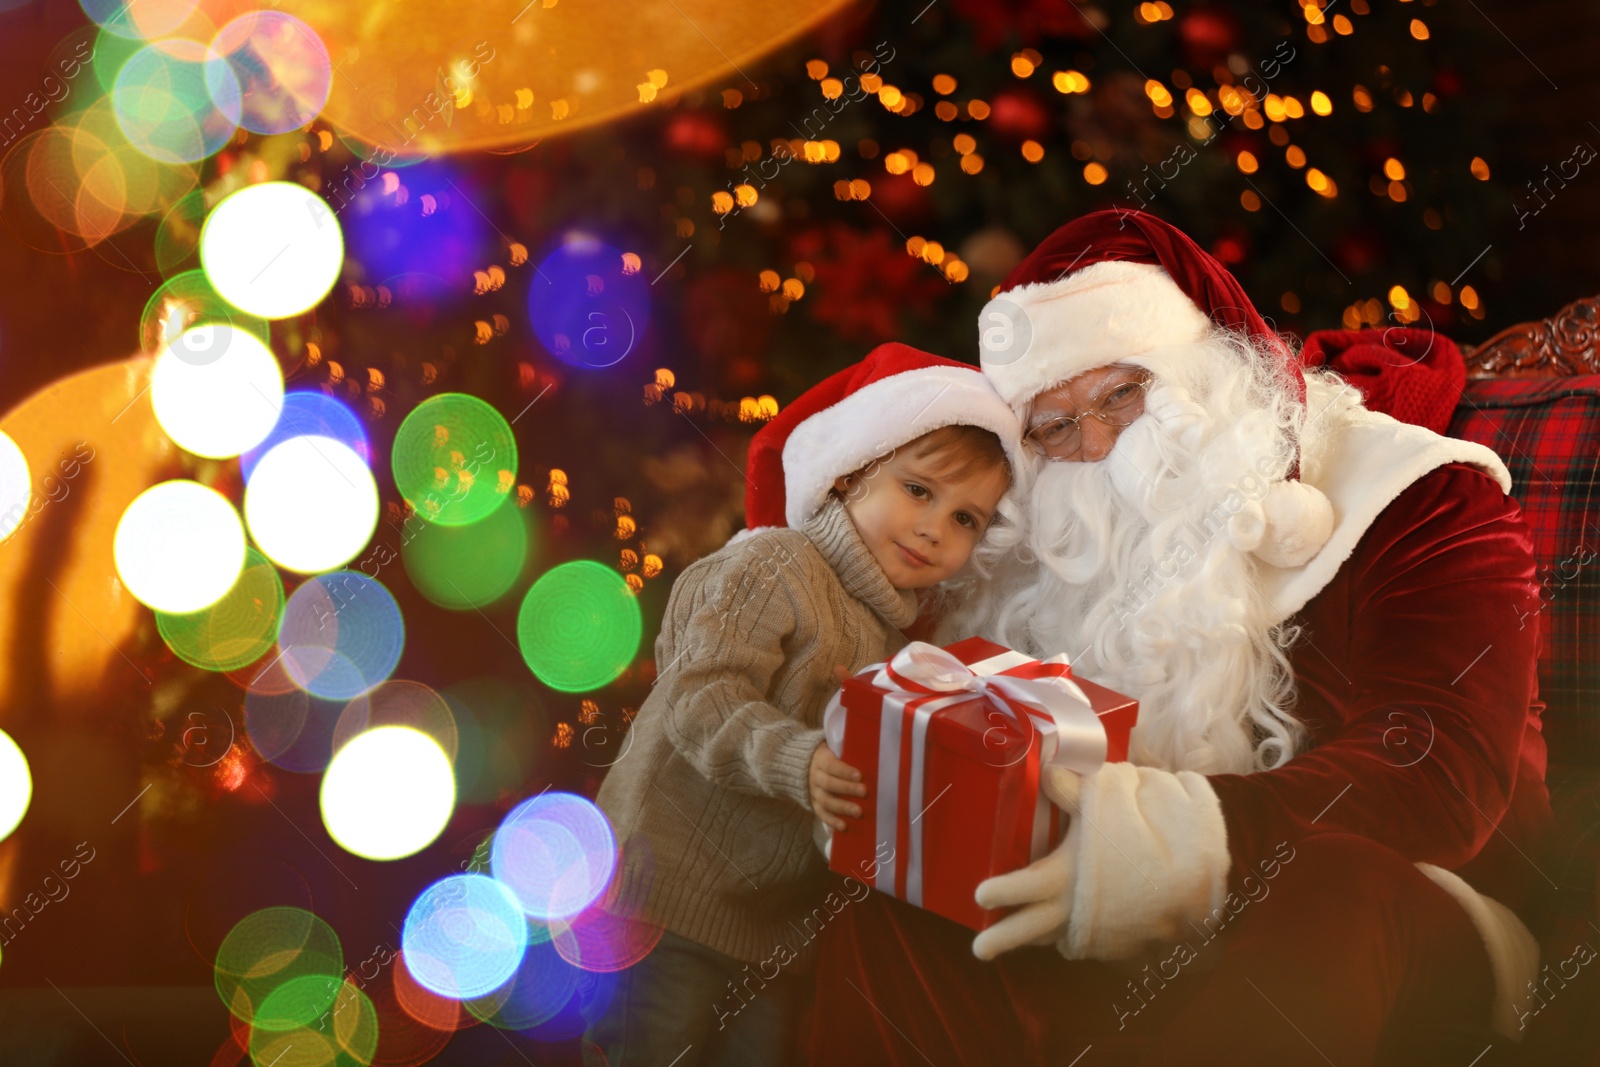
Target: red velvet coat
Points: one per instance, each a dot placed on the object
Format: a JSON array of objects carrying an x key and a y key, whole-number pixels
[{"x": 1417, "y": 676}]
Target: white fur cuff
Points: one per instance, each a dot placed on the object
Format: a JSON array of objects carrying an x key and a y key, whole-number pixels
[
  {"x": 1151, "y": 856},
  {"x": 1513, "y": 952}
]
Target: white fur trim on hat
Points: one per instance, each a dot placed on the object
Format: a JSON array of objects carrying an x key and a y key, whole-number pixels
[
  {"x": 881, "y": 416},
  {"x": 1036, "y": 336}
]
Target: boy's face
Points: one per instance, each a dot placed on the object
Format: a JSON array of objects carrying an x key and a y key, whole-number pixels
[{"x": 920, "y": 527}]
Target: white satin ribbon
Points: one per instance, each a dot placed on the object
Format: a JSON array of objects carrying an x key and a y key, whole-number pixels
[{"x": 1070, "y": 732}]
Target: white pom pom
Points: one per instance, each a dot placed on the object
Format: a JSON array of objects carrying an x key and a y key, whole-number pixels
[
  {"x": 1299, "y": 523},
  {"x": 1247, "y": 526}
]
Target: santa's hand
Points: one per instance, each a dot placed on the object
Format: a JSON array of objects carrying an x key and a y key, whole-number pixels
[
  {"x": 1063, "y": 786},
  {"x": 1042, "y": 891},
  {"x": 1146, "y": 856}
]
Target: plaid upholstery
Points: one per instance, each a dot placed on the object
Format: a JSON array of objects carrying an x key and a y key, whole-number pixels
[{"x": 1548, "y": 433}]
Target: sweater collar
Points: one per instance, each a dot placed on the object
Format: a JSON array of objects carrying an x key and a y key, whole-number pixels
[{"x": 835, "y": 536}]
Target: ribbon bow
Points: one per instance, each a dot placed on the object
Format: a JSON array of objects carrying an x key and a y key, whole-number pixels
[{"x": 1072, "y": 733}]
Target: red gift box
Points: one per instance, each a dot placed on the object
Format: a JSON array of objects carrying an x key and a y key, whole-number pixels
[{"x": 951, "y": 743}]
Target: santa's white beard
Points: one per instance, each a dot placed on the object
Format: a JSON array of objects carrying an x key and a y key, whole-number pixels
[{"x": 1130, "y": 566}]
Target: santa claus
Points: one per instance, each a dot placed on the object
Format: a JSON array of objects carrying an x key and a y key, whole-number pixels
[{"x": 1325, "y": 824}]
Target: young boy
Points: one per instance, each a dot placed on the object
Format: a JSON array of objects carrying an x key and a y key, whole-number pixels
[{"x": 887, "y": 474}]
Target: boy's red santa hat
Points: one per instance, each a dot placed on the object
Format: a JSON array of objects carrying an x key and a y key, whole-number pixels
[
  {"x": 1115, "y": 285},
  {"x": 862, "y": 413}
]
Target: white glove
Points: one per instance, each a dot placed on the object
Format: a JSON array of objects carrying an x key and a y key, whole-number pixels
[{"x": 1146, "y": 854}]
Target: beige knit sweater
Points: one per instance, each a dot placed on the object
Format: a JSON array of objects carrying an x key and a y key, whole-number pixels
[{"x": 710, "y": 803}]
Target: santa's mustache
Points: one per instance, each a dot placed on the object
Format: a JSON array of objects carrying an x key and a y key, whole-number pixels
[{"x": 1080, "y": 512}]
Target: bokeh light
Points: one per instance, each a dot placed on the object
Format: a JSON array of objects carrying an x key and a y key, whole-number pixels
[
  {"x": 586, "y": 309},
  {"x": 295, "y": 1003},
  {"x": 16, "y": 785},
  {"x": 454, "y": 459},
  {"x": 178, "y": 233},
  {"x": 401, "y": 702},
  {"x": 311, "y": 1048},
  {"x": 579, "y": 626},
  {"x": 307, "y": 413},
  {"x": 16, "y": 486},
  {"x": 388, "y": 793},
  {"x": 596, "y": 939},
  {"x": 344, "y": 1032},
  {"x": 426, "y": 248},
  {"x": 590, "y": 999},
  {"x": 404, "y": 1040},
  {"x": 464, "y": 936},
  {"x": 273, "y": 249},
  {"x": 111, "y": 50},
  {"x": 282, "y": 67},
  {"x": 76, "y": 183},
  {"x": 397, "y": 154},
  {"x": 431, "y": 1010},
  {"x": 341, "y": 635},
  {"x": 543, "y": 984},
  {"x": 153, "y": 18},
  {"x": 121, "y": 183},
  {"x": 185, "y": 301},
  {"x": 270, "y": 948},
  {"x": 355, "y": 1024},
  {"x": 179, "y": 547},
  {"x": 293, "y": 729},
  {"x": 238, "y": 629},
  {"x": 58, "y": 159},
  {"x": 556, "y": 853},
  {"x": 177, "y": 102},
  {"x": 216, "y": 390},
  {"x": 311, "y": 504},
  {"x": 463, "y": 567}
]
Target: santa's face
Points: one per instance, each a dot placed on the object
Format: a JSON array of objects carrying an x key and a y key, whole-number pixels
[
  {"x": 1137, "y": 563},
  {"x": 1081, "y": 419},
  {"x": 919, "y": 524}
]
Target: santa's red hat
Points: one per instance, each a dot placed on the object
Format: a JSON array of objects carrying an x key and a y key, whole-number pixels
[
  {"x": 865, "y": 411},
  {"x": 1113, "y": 286}
]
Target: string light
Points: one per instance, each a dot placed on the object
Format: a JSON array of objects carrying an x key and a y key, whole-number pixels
[{"x": 1069, "y": 81}]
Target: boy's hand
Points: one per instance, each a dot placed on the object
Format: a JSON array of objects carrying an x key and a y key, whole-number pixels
[{"x": 831, "y": 780}]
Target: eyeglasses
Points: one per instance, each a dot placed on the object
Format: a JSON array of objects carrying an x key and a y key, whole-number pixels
[{"x": 1060, "y": 438}]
